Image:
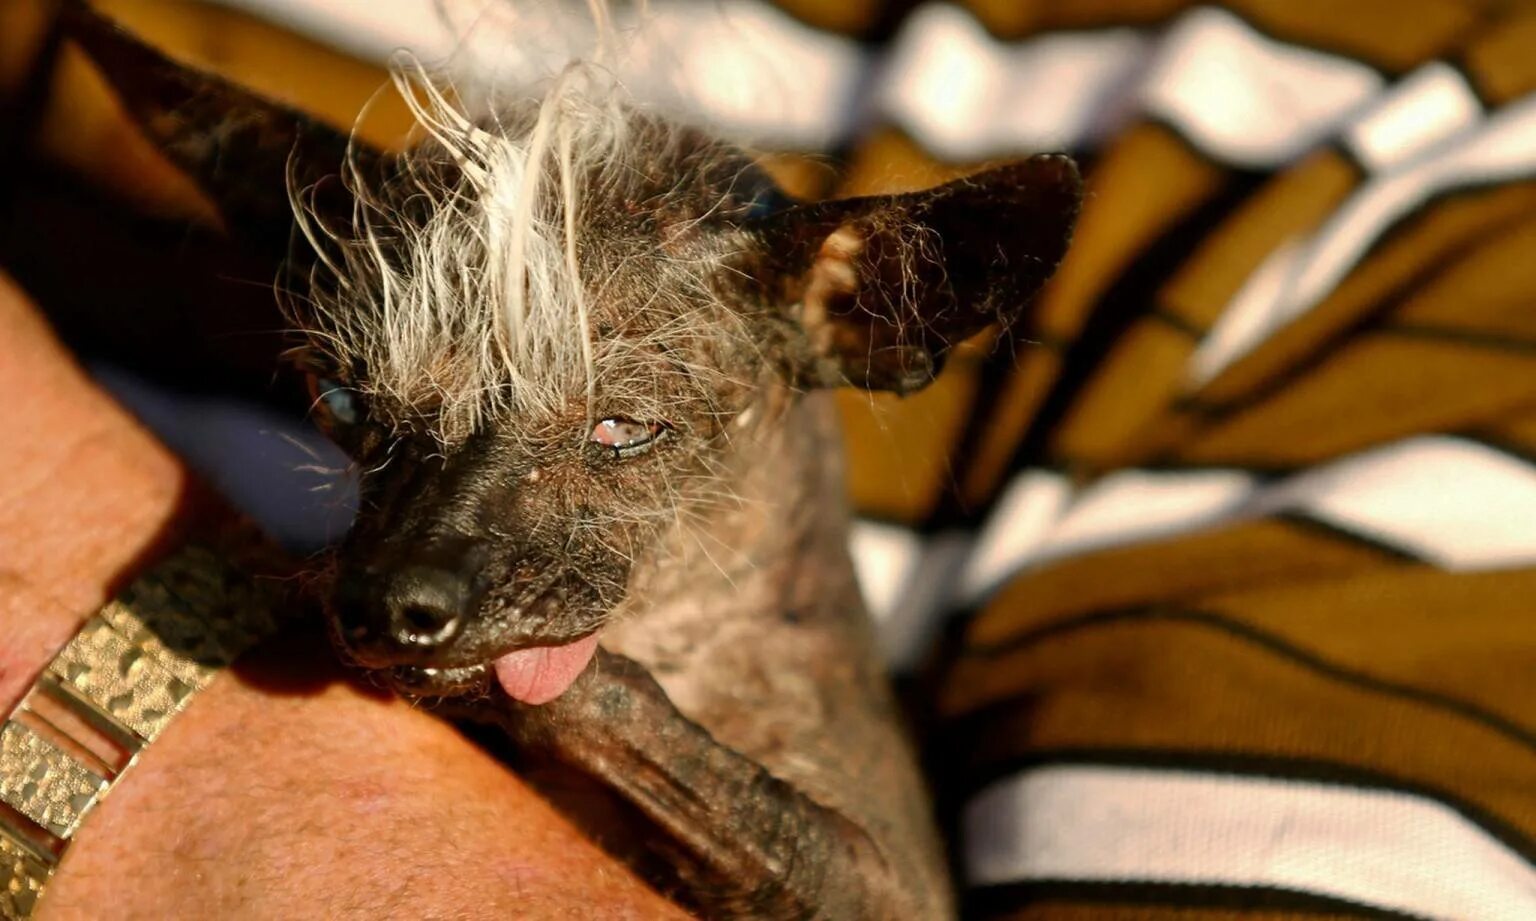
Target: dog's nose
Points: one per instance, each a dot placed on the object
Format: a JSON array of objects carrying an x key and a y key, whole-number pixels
[
  {"x": 408, "y": 608},
  {"x": 426, "y": 606}
]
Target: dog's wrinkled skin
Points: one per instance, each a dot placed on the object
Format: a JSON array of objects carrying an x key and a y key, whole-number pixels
[{"x": 736, "y": 707}]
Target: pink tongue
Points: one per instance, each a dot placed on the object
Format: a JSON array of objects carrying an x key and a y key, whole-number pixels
[{"x": 541, "y": 673}]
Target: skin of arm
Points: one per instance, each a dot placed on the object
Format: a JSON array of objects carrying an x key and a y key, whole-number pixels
[{"x": 282, "y": 791}]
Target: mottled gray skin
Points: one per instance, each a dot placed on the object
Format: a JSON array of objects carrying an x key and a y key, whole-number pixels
[
  {"x": 738, "y": 703},
  {"x": 736, "y": 721}
]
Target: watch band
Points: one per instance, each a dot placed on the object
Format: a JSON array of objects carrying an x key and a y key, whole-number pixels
[{"x": 110, "y": 692}]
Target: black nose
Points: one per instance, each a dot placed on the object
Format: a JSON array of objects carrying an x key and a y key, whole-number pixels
[
  {"x": 407, "y": 607},
  {"x": 426, "y": 606}
]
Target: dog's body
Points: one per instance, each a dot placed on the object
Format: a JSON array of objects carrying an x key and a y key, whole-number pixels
[
  {"x": 775, "y": 750},
  {"x": 570, "y": 348}
]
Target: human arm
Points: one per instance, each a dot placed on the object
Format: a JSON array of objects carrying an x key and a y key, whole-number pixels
[{"x": 281, "y": 791}]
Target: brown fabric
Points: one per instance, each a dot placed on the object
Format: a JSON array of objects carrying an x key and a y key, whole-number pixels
[
  {"x": 1393, "y": 35},
  {"x": 1361, "y": 395},
  {"x": 1500, "y": 62},
  {"x": 1133, "y": 409},
  {"x": 1475, "y": 626},
  {"x": 1401, "y": 263},
  {"x": 1275, "y": 646},
  {"x": 1515, "y": 432},
  {"x": 1144, "y": 187},
  {"x": 852, "y": 16},
  {"x": 1259, "y": 553},
  {"x": 1014, "y": 19},
  {"x": 1190, "y": 682},
  {"x": 1141, "y": 376}
]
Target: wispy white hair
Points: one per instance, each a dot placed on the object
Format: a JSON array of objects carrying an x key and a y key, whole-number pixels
[
  {"x": 465, "y": 286},
  {"x": 472, "y": 300}
]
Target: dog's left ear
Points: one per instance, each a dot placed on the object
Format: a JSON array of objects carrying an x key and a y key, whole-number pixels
[
  {"x": 241, "y": 149},
  {"x": 884, "y": 286}
]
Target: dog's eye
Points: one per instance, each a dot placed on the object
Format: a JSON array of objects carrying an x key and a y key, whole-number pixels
[
  {"x": 626, "y": 437},
  {"x": 339, "y": 403},
  {"x": 767, "y": 201}
]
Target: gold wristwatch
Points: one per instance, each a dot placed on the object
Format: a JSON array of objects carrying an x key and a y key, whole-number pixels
[{"x": 110, "y": 692}]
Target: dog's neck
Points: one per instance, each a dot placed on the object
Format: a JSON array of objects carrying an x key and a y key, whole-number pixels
[{"x": 770, "y": 560}]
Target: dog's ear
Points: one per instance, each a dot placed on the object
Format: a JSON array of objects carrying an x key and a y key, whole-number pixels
[
  {"x": 242, "y": 150},
  {"x": 884, "y": 286}
]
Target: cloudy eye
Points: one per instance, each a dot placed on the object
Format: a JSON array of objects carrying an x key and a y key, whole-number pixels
[
  {"x": 626, "y": 437},
  {"x": 337, "y": 401},
  {"x": 767, "y": 201}
]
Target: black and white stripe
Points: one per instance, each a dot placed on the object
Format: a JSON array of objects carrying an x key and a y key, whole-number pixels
[
  {"x": 1451, "y": 502},
  {"x": 1117, "y": 824}
]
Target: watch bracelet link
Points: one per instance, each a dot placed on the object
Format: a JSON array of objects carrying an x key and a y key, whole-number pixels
[{"x": 130, "y": 669}]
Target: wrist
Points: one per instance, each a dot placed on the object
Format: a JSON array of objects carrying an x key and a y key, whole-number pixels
[{"x": 87, "y": 498}]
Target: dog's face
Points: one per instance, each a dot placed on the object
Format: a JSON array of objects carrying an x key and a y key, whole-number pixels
[
  {"x": 509, "y": 488},
  {"x": 521, "y": 454}
]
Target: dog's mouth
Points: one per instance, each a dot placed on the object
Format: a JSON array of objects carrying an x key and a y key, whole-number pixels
[
  {"x": 534, "y": 675},
  {"x": 416, "y": 681},
  {"x": 548, "y": 655}
]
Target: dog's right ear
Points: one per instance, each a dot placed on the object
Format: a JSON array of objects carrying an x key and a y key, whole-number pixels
[
  {"x": 884, "y": 286},
  {"x": 242, "y": 150}
]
